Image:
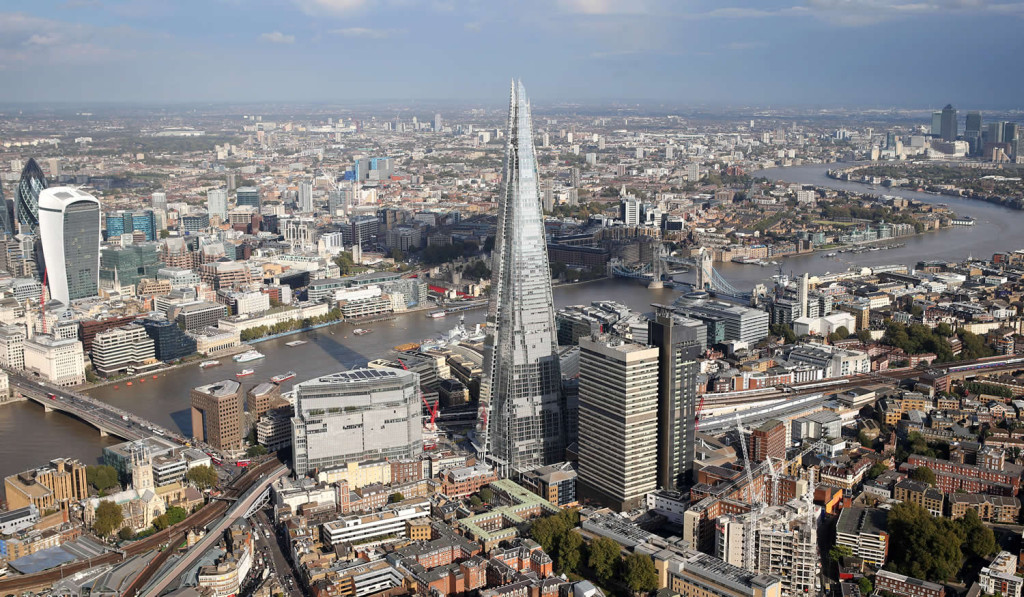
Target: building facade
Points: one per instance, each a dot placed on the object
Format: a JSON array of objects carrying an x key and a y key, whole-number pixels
[{"x": 69, "y": 225}]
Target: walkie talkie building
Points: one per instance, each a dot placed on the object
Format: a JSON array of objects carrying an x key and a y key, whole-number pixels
[{"x": 521, "y": 416}]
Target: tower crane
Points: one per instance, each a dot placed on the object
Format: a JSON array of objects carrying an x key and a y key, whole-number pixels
[{"x": 756, "y": 503}]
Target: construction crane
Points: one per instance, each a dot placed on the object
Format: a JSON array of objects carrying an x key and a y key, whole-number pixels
[
  {"x": 696, "y": 416},
  {"x": 432, "y": 410},
  {"x": 749, "y": 533},
  {"x": 774, "y": 475}
]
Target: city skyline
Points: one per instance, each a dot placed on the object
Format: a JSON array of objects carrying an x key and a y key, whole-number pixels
[{"x": 741, "y": 53}]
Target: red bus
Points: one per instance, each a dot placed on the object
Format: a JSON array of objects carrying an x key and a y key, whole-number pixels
[
  {"x": 242, "y": 463},
  {"x": 215, "y": 460}
]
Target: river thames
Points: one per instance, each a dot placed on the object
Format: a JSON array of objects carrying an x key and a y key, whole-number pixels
[{"x": 31, "y": 438}]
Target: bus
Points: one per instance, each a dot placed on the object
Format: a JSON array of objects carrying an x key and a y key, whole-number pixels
[
  {"x": 242, "y": 463},
  {"x": 216, "y": 460}
]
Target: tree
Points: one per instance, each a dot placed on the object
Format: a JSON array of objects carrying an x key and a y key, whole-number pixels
[
  {"x": 257, "y": 450},
  {"x": 108, "y": 518},
  {"x": 570, "y": 552},
  {"x": 203, "y": 477},
  {"x": 476, "y": 502},
  {"x": 980, "y": 541},
  {"x": 125, "y": 533},
  {"x": 604, "y": 554},
  {"x": 639, "y": 573},
  {"x": 102, "y": 477},
  {"x": 396, "y": 497},
  {"x": 864, "y": 336},
  {"x": 877, "y": 469},
  {"x": 838, "y": 552},
  {"x": 923, "y": 474},
  {"x": 486, "y": 495},
  {"x": 865, "y": 585},
  {"x": 923, "y": 546}
]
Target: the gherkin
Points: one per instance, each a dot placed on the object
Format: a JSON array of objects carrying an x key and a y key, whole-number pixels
[
  {"x": 26, "y": 197},
  {"x": 521, "y": 416}
]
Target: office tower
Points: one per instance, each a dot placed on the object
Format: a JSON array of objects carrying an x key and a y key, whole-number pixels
[
  {"x": 768, "y": 440},
  {"x": 618, "y": 437},
  {"x": 936, "y": 124},
  {"x": 126, "y": 222},
  {"x": 217, "y": 203},
  {"x": 6, "y": 221},
  {"x": 734, "y": 322},
  {"x": 26, "y": 197},
  {"x": 680, "y": 341},
  {"x": 127, "y": 266},
  {"x": 248, "y": 196},
  {"x": 973, "y": 124},
  {"x": 438, "y": 125},
  {"x": 521, "y": 420},
  {"x": 803, "y": 286},
  {"x": 159, "y": 201},
  {"x": 949, "y": 124},
  {"x": 305, "y": 202},
  {"x": 629, "y": 210},
  {"x": 217, "y": 414},
  {"x": 361, "y": 414},
  {"x": 69, "y": 228},
  {"x": 232, "y": 179}
]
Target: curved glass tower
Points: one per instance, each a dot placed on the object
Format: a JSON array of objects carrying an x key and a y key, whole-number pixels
[
  {"x": 70, "y": 234},
  {"x": 521, "y": 415},
  {"x": 26, "y": 197}
]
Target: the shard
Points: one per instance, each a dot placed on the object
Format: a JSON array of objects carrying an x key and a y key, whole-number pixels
[
  {"x": 521, "y": 416},
  {"x": 26, "y": 197}
]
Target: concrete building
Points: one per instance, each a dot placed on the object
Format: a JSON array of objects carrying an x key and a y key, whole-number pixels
[
  {"x": 389, "y": 522},
  {"x": 618, "y": 439},
  {"x": 60, "y": 361},
  {"x": 47, "y": 487},
  {"x": 739, "y": 323},
  {"x": 217, "y": 414},
  {"x": 835, "y": 362},
  {"x": 1000, "y": 576},
  {"x": 356, "y": 415},
  {"x": 907, "y": 586},
  {"x": 123, "y": 350},
  {"x": 12, "y": 347},
  {"x": 768, "y": 440},
  {"x": 863, "y": 530},
  {"x": 696, "y": 574}
]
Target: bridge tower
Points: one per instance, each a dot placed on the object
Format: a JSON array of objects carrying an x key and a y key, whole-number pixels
[
  {"x": 705, "y": 269},
  {"x": 658, "y": 268}
]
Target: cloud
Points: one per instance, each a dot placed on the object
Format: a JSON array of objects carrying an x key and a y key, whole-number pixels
[
  {"x": 605, "y": 7},
  {"x": 27, "y": 41},
  {"x": 474, "y": 26},
  {"x": 276, "y": 37},
  {"x": 333, "y": 7},
  {"x": 367, "y": 33}
]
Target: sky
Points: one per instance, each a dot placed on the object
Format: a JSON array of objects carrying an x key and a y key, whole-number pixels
[{"x": 771, "y": 53}]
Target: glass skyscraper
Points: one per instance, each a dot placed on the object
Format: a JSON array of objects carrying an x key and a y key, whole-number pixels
[
  {"x": 248, "y": 196},
  {"x": 26, "y": 197},
  {"x": 69, "y": 228},
  {"x": 121, "y": 222},
  {"x": 521, "y": 420}
]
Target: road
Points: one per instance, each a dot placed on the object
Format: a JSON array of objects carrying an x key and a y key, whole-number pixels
[
  {"x": 214, "y": 534},
  {"x": 99, "y": 414},
  {"x": 281, "y": 564},
  {"x": 171, "y": 536}
]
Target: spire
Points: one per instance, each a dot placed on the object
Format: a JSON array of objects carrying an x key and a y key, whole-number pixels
[{"x": 520, "y": 419}]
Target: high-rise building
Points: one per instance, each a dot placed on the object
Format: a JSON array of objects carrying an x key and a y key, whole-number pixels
[
  {"x": 26, "y": 197},
  {"x": 159, "y": 201},
  {"x": 618, "y": 437},
  {"x": 305, "y": 197},
  {"x": 948, "y": 128},
  {"x": 680, "y": 342},
  {"x": 248, "y": 196},
  {"x": 522, "y": 420},
  {"x": 361, "y": 414},
  {"x": 217, "y": 203},
  {"x": 973, "y": 124},
  {"x": 69, "y": 227},
  {"x": 438, "y": 125},
  {"x": 6, "y": 216},
  {"x": 122, "y": 222},
  {"x": 936, "y": 130},
  {"x": 122, "y": 349},
  {"x": 768, "y": 440},
  {"x": 127, "y": 266},
  {"x": 217, "y": 414}
]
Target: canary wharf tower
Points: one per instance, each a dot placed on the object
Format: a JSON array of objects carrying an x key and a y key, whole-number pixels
[{"x": 521, "y": 414}]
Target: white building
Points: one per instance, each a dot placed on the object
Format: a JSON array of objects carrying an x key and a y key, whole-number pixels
[
  {"x": 823, "y": 326},
  {"x": 217, "y": 203},
  {"x": 356, "y": 415},
  {"x": 59, "y": 361},
  {"x": 122, "y": 350},
  {"x": 12, "y": 347},
  {"x": 389, "y": 522},
  {"x": 836, "y": 362},
  {"x": 999, "y": 577}
]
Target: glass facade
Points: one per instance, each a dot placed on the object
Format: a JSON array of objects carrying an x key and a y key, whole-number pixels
[
  {"x": 521, "y": 419},
  {"x": 129, "y": 265},
  {"x": 81, "y": 242},
  {"x": 121, "y": 222},
  {"x": 170, "y": 341},
  {"x": 6, "y": 222},
  {"x": 26, "y": 197},
  {"x": 248, "y": 196}
]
